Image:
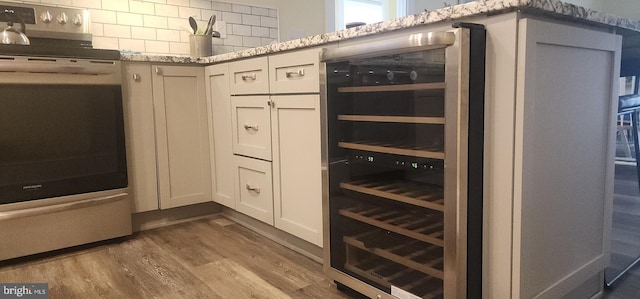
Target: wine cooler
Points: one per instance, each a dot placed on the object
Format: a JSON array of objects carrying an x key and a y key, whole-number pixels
[{"x": 403, "y": 141}]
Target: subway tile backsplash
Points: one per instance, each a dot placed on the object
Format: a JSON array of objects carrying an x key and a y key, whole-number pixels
[{"x": 161, "y": 27}]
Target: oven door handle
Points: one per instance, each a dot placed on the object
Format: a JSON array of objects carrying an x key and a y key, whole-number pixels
[{"x": 39, "y": 211}]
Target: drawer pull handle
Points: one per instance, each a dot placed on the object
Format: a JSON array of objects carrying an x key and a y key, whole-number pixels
[
  {"x": 253, "y": 127},
  {"x": 251, "y": 188},
  {"x": 299, "y": 73},
  {"x": 137, "y": 77},
  {"x": 251, "y": 77}
]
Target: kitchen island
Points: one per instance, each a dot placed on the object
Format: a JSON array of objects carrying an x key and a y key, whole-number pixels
[{"x": 551, "y": 90}]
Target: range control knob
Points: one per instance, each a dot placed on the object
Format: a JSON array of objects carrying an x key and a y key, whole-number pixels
[
  {"x": 46, "y": 17},
  {"x": 62, "y": 18},
  {"x": 77, "y": 20}
]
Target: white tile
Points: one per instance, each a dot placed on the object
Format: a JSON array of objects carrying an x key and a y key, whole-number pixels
[
  {"x": 273, "y": 13},
  {"x": 117, "y": 5},
  {"x": 125, "y": 18},
  {"x": 87, "y": 3},
  {"x": 241, "y": 29},
  {"x": 233, "y": 40},
  {"x": 178, "y": 2},
  {"x": 168, "y": 35},
  {"x": 260, "y": 31},
  {"x": 267, "y": 41},
  {"x": 273, "y": 33},
  {"x": 179, "y": 48},
  {"x": 142, "y": 7},
  {"x": 166, "y": 10},
  {"x": 217, "y": 41},
  {"x": 155, "y": 21},
  {"x": 252, "y": 42},
  {"x": 241, "y": 8},
  {"x": 132, "y": 44},
  {"x": 101, "y": 42},
  {"x": 57, "y": 2},
  {"x": 97, "y": 29},
  {"x": 251, "y": 20},
  {"x": 231, "y": 17},
  {"x": 269, "y": 22},
  {"x": 180, "y": 24},
  {"x": 236, "y": 48},
  {"x": 207, "y": 13},
  {"x": 217, "y": 49},
  {"x": 156, "y": 46},
  {"x": 185, "y": 12},
  {"x": 184, "y": 36},
  {"x": 111, "y": 30},
  {"x": 222, "y": 6},
  {"x": 260, "y": 11},
  {"x": 205, "y": 4},
  {"x": 103, "y": 16},
  {"x": 143, "y": 33},
  {"x": 157, "y": 1}
]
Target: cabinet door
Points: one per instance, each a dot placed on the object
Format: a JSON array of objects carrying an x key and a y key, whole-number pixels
[
  {"x": 251, "y": 119},
  {"x": 254, "y": 191},
  {"x": 297, "y": 180},
  {"x": 221, "y": 152},
  {"x": 140, "y": 136},
  {"x": 182, "y": 135},
  {"x": 566, "y": 99}
]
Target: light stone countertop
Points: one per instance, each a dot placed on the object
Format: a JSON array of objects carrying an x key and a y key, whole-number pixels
[{"x": 549, "y": 7}]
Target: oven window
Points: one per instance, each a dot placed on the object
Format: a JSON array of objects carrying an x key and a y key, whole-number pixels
[{"x": 59, "y": 140}]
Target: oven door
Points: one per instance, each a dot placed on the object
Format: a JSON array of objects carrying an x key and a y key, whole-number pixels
[{"x": 61, "y": 128}]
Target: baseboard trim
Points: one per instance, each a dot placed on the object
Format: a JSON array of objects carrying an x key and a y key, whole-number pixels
[
  {"x": 161, "y": 218},
  {"x": 287, "y": 240}
]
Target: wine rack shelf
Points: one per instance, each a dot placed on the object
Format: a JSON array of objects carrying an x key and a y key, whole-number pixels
[
  {"x": 420, "y": 226},
  {"x": 414, "y": 254},
  {"x": 395, "y": 149},
  {"x": 399, "y": 87},
  {"x": 387, "y": 274},
  {"x": 426, "y": 196},
  {"x": 394, "y": 119}
]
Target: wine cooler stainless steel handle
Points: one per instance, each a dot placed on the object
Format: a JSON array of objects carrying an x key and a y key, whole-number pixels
[
  {"x": 398, "y": 45},
  {"x": 251, "y": 127},
  {"x": 299, "y": 73},
  {"x": 251, "y": 77},
  {"x": 252, "y": 188}
]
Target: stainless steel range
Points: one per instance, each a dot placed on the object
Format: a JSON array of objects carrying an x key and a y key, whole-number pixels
[{"x": 63, "y": 171}]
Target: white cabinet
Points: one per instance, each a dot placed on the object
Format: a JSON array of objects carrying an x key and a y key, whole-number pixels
[
  {"x": 140, "y": 136},
  {"x": 251, "y": 119},
  {"x": 254, "y": 195},
  {"x": 297, "y": 180},
  {"x": 167, "y": 136},
  {"x": 275, "y": 125},
  {"x": 249, "y": 76},
  {"x": 182, "y": 143},
  {"x": 549, "y": 156},
  {"x": 221, "y": 153}
]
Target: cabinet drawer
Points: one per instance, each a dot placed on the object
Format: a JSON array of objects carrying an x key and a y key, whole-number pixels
[
  {"x": 295, "y": 72},
  {"x": 249, "y": 76},
  {"x": 251, "y": 117},
  {"x": 254, "y": 193}
]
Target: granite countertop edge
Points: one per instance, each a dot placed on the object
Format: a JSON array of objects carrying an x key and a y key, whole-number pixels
[{"x": 554, "y": 7}]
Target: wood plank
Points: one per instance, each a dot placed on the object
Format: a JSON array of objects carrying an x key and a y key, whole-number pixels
[
  {"x": 393, "y": 119},
  {"x": 422, "y": 202},
  {"x": 399, "y": 87}
]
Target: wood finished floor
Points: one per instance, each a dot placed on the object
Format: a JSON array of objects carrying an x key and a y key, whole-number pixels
[
  {"x": 625, "y": 236},
  {"x": 206, "y": 258}
]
